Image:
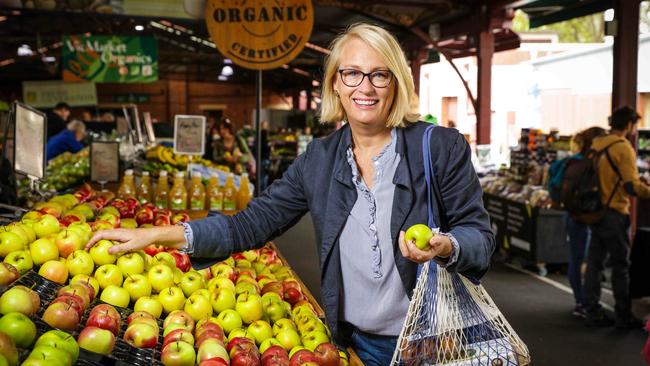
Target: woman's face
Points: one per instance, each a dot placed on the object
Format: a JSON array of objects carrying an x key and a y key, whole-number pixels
[{"x": 365, "y": 104}]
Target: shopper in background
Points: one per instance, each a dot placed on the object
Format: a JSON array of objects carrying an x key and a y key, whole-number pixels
[
  {"x": 211, "y": 133},
  {"x": 618, "y": 176},
  {"x": 67, "y": 140},
  {"x": 57, "y": 119},
  {"x": 232, "y": 151},
  {"x": 578, "y": 233},
  {"x": 363, "y": 184}
]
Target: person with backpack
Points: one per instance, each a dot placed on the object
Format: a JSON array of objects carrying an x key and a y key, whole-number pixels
[{"x": 618, "y": 179}]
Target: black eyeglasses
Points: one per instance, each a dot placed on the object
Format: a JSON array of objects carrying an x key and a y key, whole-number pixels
[{"x": 353, "y": 78}]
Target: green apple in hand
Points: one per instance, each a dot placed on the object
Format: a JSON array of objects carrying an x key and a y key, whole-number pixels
[
  {"x": 99, "y": 253},
  {"x": 421, "y": 234}
]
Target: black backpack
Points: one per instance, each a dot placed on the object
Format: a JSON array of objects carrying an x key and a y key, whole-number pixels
[{"x": 581, "y": 192}]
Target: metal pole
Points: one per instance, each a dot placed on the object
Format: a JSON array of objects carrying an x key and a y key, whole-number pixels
[{"x": 258, "y": 133}]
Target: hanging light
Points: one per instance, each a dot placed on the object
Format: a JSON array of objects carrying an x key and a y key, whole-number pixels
[
  {"x": 139, "y": 28},
  {"x": 227, "y": 71}
]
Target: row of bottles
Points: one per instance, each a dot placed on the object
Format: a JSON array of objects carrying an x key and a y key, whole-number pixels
[{"x": 214, "y": 197}]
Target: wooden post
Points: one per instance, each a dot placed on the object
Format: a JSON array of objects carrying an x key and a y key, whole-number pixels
[{"x": 484, "y": 87}]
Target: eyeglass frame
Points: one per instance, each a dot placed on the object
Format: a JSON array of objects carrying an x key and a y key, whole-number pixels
[{"x": 340, "y": 71}]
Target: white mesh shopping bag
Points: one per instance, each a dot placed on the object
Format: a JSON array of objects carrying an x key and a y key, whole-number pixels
[{"x": 451, "y": 320}]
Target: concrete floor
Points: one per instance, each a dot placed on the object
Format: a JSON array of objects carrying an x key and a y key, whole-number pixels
[{"x": 538, "y": 310}]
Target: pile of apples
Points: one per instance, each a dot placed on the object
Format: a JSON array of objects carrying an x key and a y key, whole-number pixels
[{"x": 67, "y": 309}]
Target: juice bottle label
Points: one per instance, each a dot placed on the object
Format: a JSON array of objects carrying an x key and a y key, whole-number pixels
[
  {"x": 196, "y": 204},
  {"x": 161, "y": 203},
  {"x": 216, "y": 204},
  {"x": 229, "y": 205},
  {"x": 177, "y": 204}
]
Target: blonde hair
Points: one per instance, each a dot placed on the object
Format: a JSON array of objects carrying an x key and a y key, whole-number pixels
[
  {"x": 404, "y": 105},
  {"x": 76, "y": 126}
]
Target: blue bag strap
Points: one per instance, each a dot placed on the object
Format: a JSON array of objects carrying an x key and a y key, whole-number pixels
[{"x": 429, "y": 175}]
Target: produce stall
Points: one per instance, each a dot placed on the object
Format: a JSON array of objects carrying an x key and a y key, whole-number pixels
[{"x": 62, "y": 305}]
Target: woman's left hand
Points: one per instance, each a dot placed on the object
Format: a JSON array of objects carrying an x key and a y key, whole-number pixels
[{"x": 439, "y": 245}]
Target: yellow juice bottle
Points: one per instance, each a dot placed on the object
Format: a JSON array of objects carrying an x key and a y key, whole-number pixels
[
  {"x": 178, "y": 193},
  {"x": 127, "y": 187},
  {"x": 230, "y": 195},
  {"x": 144, "y": 189},
  {"x": 197, "y": 193},
  {"x": 244, "y": 192},
  {"x": 161, "y": 197},
  {"x": 215, "y": 194}
]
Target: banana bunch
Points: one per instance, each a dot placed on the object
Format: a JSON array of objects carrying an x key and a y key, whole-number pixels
[{"x": 166, "y": 156}]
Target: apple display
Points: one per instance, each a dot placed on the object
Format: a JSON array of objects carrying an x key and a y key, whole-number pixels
[
  {"x": 165, "y": 258},
  {"x": 131, "y": 263},
  {"x": 104, "y": 319},
  {"x": 211, "y": 349},
  {"x": 62, "y": 316},
  {"x": 10, "y": 242},
  {"x": 220, "y": 282},
  {"x": 313, "y": 339},
  {"x": 288, "y": 338},
  {"x": 55, "y": 271},
  {"x": 171, "y": 298},
  {"x": 420, "y": 234},
  {"x": 270, "y": 342},
  {"x": 69, "y": 241},
  {"x": 191, "y": 282},
  {"x": 246, "y": 288},
  {"x": 116, "y": 296},
  {"x": 161, "y": 277},
  {"x": 250, "y": 307},
  {"x": 137, "y": 286},
  {"x": 179, "y": 317},
  {"x": 8, "y": 274},
  {"x": 302, "y": 357},
  {"x": 96, "y": 340},
  {"x": 178, "y": 354},
  {"x": 223, "y": 299},
  {"x": 21, "y": 260},
  {"x": 327, "y": 354},
  {"x": 19, "y": 299},
  {"x": 19, "y": 327},
  {"x": 43, "y": 250},
  {"x": 229, "y": 319},
  {"x": 100, "y": 254},
  {"x": 79, "y": 262},
  {"x": 198, "y": 307},
  {"x": 179, "y": 335},
  {"x": 260, "y": 330},
  {"x": 141, "y": 335},
  {"x": 109, "y": 275},
  {"x": 88, "y": 280},
  {"x": 149, "y": 304},
  {"x": 46, "y": 225},
  {"x": 61, "y": 340}
]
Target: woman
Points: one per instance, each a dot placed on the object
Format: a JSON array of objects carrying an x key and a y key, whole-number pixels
[
  {"x": 364, "y": 185},
  {"x": 231, "y": 150}
]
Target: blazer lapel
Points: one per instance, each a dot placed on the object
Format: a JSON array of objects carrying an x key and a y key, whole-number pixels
[{"x": 403, "y": 199}]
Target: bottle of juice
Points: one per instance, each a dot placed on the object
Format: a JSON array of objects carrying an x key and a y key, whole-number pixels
[
  {"x": 215, "y": 194},
  {"x": 144, "y": 190},
  {"x": 244, "y": 192},
  {"x": 178, "y": 193},
  {"x": 230, "y": 195},
  {"x": 197, "y": 193},
  {"x": 127, "y": 187},
  {"x": 161, "y": 197}
]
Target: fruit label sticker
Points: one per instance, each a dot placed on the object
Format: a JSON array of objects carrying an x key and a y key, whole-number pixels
[
  {"x": 104, "y": 161},
  {"x": 189, "y": 135},
  {"x": 29, "y": 146},
  {"x": 260, "y": 34}
]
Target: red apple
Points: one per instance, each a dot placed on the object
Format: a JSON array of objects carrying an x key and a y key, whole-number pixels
[
  {"x": 210, "y": 326},
  {"x": 209, "y": 334},
  {"x": 141, "y": 335},
  {"x": 74, "y": 301},
  {"x": 96, "y": 340},
  {"x": 108, "y": 309},
  {"x": 138, "y": 314},
  {"x": 274, "y": 286},
  {"x": 179, "y": 335},
  {"x": 144, "y": 215},
  {"x": 301, "y": 357},
  {"x": 215, "y": 361},
  {"x": 152, "y": 249},
  {"x": 104, "y": 320},
  {"x": 292, "y": 295},
  {"x": 327, "y": 354},
  {"x": 62, "y": 316},
  {"x": 245, "y": 358},
  {"x": 237, "y": 340},
  {"x": 182, "y": 260},
  {"x": 8, "y": 273}
]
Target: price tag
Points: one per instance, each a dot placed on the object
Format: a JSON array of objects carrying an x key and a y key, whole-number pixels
[
  {"x": 189, "y": 135},
  {"x": 148, "y": 126},
  {"x": 30, "y": 129},
  {"x": 104, "y": 161}
]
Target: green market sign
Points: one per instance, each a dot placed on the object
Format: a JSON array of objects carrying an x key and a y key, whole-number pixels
[{"x": 109, "y": 59}]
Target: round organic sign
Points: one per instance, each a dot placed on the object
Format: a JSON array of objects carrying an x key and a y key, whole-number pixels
[{"x": 260, "y": 34}]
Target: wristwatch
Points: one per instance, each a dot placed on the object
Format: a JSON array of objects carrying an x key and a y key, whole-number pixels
[{"x": 188, "y": 248}]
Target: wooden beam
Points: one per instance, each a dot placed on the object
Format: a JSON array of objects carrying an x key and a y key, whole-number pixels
[
  {"x": 626, "y": 51},
  {"x": 484, "y": 87}
]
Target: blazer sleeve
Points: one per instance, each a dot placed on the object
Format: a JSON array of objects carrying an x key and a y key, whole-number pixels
[
  {"x": 465, "y": 216},
  {"x": 279, "y": 207}
]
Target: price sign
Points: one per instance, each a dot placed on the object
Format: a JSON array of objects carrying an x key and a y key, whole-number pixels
[
  {"x": 104, "y": 161},
  {"x": 29, "y": 149},
  {"x": 189, "y": 135},
  {"x": 148, "y": 126}
]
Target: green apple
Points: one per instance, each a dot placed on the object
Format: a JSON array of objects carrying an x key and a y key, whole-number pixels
[
  {"x": 191, "y": 282},
  {"x": 179, "y": 317},
  {"x": 51, "y": 353},
  {"x": 92, "y": 281},
  {"x": 109, "y": 274},
  {"x": 114, "y": 219},
  {"x": 19, "y": 299},
  {"x": 220, "y": 282},
  {"x": 260, "y": 330},
  {"x": 60, "y": 340},
  {"x": 270, "y": 297},
  {"x": 222, "y": 299},
  {"x": 128, "y": 223},
  {"x": 202, "y": 292},
  {"x": 116, "y": 296},
  {"x": 150, "y": 305},
  {"x": 47, "y": 225},
  {"x": 68, "y": 241},
  {"x": 250, "y": 307},
  {"x": 283, "y": 324},
  {"x": 228, "y": 320},
  {"x": 80, "y": 262},
  {"x": 161, "y": 277},
  {"x": 32, "y": 215},
  {"x": 421, "y": 234},
  {"x": 131, "y": 263},
  {"x": 31, "y": 235},
  {"x": 198, "y": 307},
  {"x": 43, "y": 250},
  {"x": 246, "y": 288},
  {"x": 268, "y": 343},
  {"x": 171, "y": 298},
  {"x": 275, "y": 311},
  {"x": 55, "y": 271},
  {"x": 21, "y": 260},
  {"x": 313, "y": 339},
  {"x": 10, "y": 242},
  {"x": 240, "y": 333},
  {"x": 178, "y": 354},
  {"x": 137, "y": 286},
  {"x": 312, "y": 325},
  {"x": 17, "y": 229},
  {"x": 97, "y": 340},
  {"x": 19, "y": 327},
  {"x": 99, "y": 253},
  {"x": 165, "y": 258},
  {"x": 288, "y": 338},
  {"x": 222, "y": 270}
]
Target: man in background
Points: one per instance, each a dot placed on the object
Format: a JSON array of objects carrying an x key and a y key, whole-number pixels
[
  {"x": 619, "y": 179},
  {"x": 57, "y": 119},
  {"x": 67, "y": 140}
]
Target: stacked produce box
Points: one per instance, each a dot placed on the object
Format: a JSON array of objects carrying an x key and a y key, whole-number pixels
[{"x": 61, "y": 304}]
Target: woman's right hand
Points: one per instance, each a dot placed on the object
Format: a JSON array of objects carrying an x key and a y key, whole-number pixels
[{"x": 130, "y": 240}]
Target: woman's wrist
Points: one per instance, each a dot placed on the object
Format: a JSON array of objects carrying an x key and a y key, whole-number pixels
[{"x": 169, "y": 236}]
